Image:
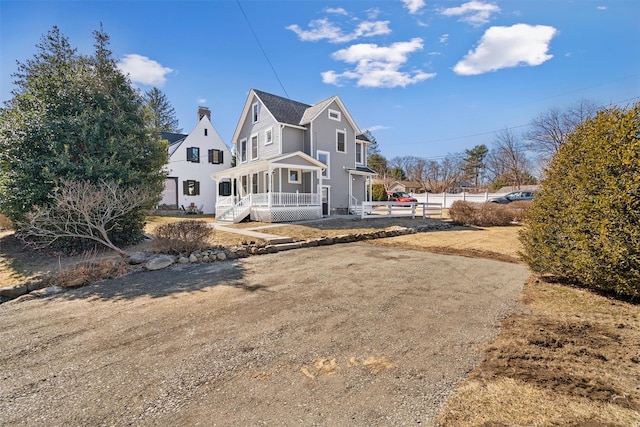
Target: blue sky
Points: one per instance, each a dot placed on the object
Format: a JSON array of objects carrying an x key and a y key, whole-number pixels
[{"x": 428, "y": 78}]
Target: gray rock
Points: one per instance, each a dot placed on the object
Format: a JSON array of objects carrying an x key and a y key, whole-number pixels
[
  {"x": 50, "y": 290},
  {"x": 193, "y": 258},
  {"x": 221, "y": 256},
  {"x": 136, "y": 258},
  {"x": 158, "y": 262},
  {"x": 183, "y": 260},
  {"x": 13, "y": 291}
]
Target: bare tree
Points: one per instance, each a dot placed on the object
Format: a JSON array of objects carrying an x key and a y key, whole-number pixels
[
  {"x": 83, "y": 210},
  {"x": 441, "y": 176},
  {"x": 508, "y": 161},
  {"x": 549, "y": 130}
]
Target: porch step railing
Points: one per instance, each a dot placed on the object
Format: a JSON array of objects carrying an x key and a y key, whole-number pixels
[
  {"x": 236, "y": 212},
  {"x": 355, "y": 208}
]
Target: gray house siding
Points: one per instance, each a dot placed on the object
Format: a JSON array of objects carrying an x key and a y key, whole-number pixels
[
  {"x": 292, "y": 139},
  {"x": 325, "y": 135}
]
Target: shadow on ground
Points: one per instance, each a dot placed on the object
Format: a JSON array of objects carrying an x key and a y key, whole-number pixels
[{"x": 161, "y": 283}]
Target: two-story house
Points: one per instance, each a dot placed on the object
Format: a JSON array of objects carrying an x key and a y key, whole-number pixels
[
  {"x": 294, "y": 161},
  {"x": 192, "y": 160}
]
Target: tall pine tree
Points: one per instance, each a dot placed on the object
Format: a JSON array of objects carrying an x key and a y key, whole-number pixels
[
  {"x": 75, "y": 117},
  {"x": 161, "y": 117}
]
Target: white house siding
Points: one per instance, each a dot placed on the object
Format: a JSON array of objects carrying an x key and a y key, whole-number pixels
[{"x": 201, "y": 171}]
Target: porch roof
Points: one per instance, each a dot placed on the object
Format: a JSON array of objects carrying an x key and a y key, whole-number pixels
[
  {"x": 296, "y": 160},
  {"x": 362, "y": 170}
]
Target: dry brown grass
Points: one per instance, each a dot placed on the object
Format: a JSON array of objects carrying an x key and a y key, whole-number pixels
[{"x": 572, "y": 358}]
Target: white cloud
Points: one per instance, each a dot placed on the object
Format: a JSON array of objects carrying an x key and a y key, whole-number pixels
[
  {"x": 323, "y": 29},
  {"x": 143, "y": 70},
  {"x": 504, "y": 47},
  {"x": 378, "y": 66},
  {"x": 336, "y": 10},
  {"x": 602, "y": 8},
  {"x": 444, "y": 38},
  {"x": 474, "y": 12},
  {"x": 414, "y": 6},
  {"x": 201, "y": 101},
  {"x": 377, "y": 127}
]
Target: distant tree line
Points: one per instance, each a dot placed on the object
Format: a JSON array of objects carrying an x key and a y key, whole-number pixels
[{"x": 512, "y": 160}]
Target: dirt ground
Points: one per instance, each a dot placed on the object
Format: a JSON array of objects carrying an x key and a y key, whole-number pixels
[
  {"x": 352, "y": 334},
  {"x": 375, "y": 333}
]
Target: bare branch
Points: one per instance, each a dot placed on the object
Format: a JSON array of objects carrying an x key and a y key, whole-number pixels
[{"x": 83, "y": 210}]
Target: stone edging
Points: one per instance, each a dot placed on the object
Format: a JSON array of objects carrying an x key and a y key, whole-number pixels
[{"x": 153, "y": 261}]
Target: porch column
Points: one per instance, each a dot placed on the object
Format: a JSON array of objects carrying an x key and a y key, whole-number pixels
[
  {"x": 269, "y": 186},
  {"x": 370, "y": 189}
]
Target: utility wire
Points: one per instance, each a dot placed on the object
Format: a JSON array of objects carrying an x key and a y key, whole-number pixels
[{"x": 255, "y": 36}]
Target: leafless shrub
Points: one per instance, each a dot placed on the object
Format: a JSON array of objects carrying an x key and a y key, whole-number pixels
[
  {"x": 89, "y": 272},
  {"x": 487, "y": 214},
  {"x": 182, "y": 236},
  {"x": 83, "y": 210}
]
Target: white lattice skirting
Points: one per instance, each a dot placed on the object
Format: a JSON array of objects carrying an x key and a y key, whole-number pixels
[{"x": 286, "y": 215}]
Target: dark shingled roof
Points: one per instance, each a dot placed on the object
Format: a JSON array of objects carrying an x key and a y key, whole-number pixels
[
  {"x": 172, "y": 137},
  {"x": 284, "y": 110}
]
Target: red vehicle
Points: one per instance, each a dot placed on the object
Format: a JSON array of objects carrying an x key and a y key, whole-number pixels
[{"x": 401, "y": 196}]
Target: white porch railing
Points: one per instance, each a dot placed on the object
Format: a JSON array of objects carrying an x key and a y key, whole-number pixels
[
  {"x": 286, "y": 199},
  {"x": 229, "y": 208}
]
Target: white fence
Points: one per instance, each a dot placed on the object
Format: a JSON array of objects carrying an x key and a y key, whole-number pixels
[
  {"x": 447, "y": 199},
  {"x": 400, "y": 209}
]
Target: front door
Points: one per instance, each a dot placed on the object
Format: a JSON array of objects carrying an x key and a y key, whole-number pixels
[{"x": 325, "y": 201}]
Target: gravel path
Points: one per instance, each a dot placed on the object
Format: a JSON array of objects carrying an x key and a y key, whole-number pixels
[{"x": 351, "y": 334}]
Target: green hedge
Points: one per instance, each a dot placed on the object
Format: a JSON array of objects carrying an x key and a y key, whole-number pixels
[{"x": 585, "y": 223}]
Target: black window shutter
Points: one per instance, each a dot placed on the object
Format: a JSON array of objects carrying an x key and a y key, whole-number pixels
[
  {"x": 185, "y": 187},
  {"x": 220, "y": 158},
  {"x": 211, "y": 156},
  {"x": 196, "y": 191}
]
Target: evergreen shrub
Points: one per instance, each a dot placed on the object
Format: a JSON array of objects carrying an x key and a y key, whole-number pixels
[{"x": 584, "y": 226}]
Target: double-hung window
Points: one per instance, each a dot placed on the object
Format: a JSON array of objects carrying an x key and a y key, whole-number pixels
[
  {"x": 359, "y": 153},
  {"x": 254, "y": 147},
  {"x": 341, "y": 141},
  {"x": 243, "y": 150},
  {"x": 268, "y": 136},
  {"x": 324, "y": 157},
  {"x": 255, "y": 112}
]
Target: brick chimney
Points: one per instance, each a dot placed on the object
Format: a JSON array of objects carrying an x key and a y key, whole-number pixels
[{"x": 204, "y": 111}]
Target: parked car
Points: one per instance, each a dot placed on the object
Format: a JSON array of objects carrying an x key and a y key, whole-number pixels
[
  {"x": 401, "y": 196},
  {"x": 514, "y": 196}
]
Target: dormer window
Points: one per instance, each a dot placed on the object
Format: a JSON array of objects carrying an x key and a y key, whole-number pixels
[
  {"x": 335, "y": 115},
  {"x": 255, "y": 111}
]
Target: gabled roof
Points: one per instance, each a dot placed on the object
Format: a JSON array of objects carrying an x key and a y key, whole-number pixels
[
  {"x": 315, "y": 110},
  {"x": 283, "y": 110},
  {"x": 172, "y": 137}
]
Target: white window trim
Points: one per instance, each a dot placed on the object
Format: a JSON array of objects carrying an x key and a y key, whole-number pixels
[
  {"x": 338, "y": 131},
  {"x": 268, "y": 140},
  {"x": 299, "y": 180},
  {"x": 326, "y": 174},
  {"x": 250, "y": 147},
  {"x": 246, "y": 146},
  {"x": 360, "y": 161},
  {"x": 337, "y": 113},
  {"x": 255, "y": 112}
]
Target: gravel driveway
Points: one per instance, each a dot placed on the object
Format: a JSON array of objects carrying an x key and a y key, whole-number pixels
[{"x": 352, "y": 334}]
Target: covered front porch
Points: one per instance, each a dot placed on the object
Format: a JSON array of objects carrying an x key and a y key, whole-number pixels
[{"x": 281, "y": 189}]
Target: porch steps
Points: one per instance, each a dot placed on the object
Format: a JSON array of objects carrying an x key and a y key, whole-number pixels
[
  {"x": 287, "y": 246},
  {"x": 278, "y": 240}
]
